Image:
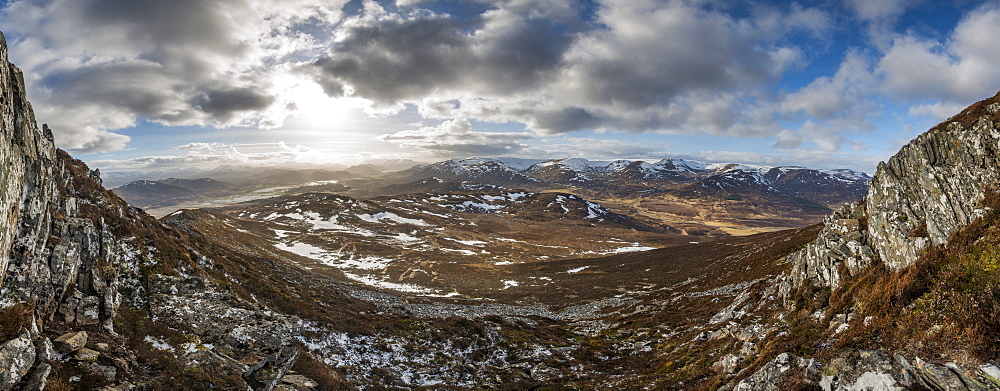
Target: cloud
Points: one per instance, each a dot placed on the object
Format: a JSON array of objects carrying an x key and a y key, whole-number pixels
[
  {"x": 201, "y": 146},
  {"x": 879, "y": 10},
  {"x": 960, "y": 69},
  {"x": 846, "y": 94},
  {"x": 456, "y": 138},
  {"x": 94, "y": 66},
  {"x": 938, "y": 111},
  {"x": 201, "y": 156},
  {"x": 543, "y": 64},
  {"x": 788, "y": 139}
]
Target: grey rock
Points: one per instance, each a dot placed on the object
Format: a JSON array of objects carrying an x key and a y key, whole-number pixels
[
  {"x": 299, "y": 381},
  {"x": 88, "y": 312},
  {"x": 46, "y": 350},
  {"x": 38, "y": 378},
  {"x": 918, "y": 198},
  {"x": 86, "y": 354},
  {"x": 125, "y": 386},
  {"x": 16, "y": 358},
  {"x": 108, "y": 372},
  {"x": 990, "y": 373},
  {"x": 864, "y": 370},
  {"x": 727, "y": 364},
  {"x": 771, "y": 374}
]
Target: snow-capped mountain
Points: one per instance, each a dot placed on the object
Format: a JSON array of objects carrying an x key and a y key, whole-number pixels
[
  {"x": 690, "y": 177},
  {"x": 494, "y": 171}
]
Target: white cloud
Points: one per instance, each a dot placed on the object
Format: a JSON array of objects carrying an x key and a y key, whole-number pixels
[
  {"x": 94, "y": 66},
  {"x": 619, "y": 74},
  {"x": 961, "y": 69},
  {"x": 456, "y": 138}
]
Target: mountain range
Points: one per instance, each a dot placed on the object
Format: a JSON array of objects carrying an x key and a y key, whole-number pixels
[{"x": 488, "y": 287}]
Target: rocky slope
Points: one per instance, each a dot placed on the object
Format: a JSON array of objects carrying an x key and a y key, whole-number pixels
[
  {"x": 902, "y": 262},
  {"x": 84, "y": 277},
  {"x": 898, "y": 291},
  {"x": 929, "y": 190}
]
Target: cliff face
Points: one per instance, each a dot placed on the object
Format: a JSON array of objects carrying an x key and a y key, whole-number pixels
[
  {"x": 929, "y": 190},
  {"x": 932, "y": 186},
  {"x": 52, "y": 257},
  {"x": 859, "y": 285}
]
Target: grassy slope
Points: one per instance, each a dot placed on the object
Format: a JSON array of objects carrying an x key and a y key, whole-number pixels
[{"x": 947, "y": 305}]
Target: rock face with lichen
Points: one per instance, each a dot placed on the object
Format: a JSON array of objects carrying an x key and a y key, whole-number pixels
[
  {"x": 71, "y": 253},
  {"x": 933, "y": 185},
  {"x": 930, "y": 189},
  {"x": 50, "y": 255}
]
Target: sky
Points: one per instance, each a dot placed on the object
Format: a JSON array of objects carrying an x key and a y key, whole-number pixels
[{"x": 158, "y": 86}]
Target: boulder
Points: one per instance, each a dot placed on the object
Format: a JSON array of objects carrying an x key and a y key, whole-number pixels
[
  {"x": 299, "y": 381},
  {"x": 89, "y": 311},
  {"x": 86, "y": 355},
  {"x": 71, "y": 342},
  {"x": 16, "y": 358}
]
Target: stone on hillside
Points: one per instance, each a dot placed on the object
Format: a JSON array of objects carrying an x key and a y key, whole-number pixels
[
  {"x": 108, "y": 372},
  {"x": 88, "y": 312},
  {"x": 16, "y": 358},
  {"x": 71, "y": 342},
  {"x": 46, "y": 350},
  {"x": 86, "y": 354},
  {"x": 68, "y": 308},
  {"x": 299, "y": 381},
  {"x": 38, "y": 378}
]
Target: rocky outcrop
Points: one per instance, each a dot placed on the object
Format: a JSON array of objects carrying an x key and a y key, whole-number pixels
[
  {"x": 927, "y": 191},
  {"x": 16, "y": 358},
  {"x": 868, "y": 370},
  {"x": 18, "y": 144},
  {"x": 933, "y": 185},
  {"x": 841, "y": 247}
]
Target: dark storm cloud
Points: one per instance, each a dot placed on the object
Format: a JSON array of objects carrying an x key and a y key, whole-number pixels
[
  {"x": 398, "y": 59},
  {"x": 629, "y": 67},
  {"x": 563, "y": 120},
  {"x": 167, "y": 24},
  {"x": 223, "y": 103},
  {"x": 393, "y": 59}
]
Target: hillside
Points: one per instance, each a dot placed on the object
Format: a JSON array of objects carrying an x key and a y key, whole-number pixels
[
  {"x": 487, "y": 287},
  {"x": 695, "y": 197}
]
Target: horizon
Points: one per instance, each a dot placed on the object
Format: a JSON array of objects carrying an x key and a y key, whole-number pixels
[{"x": 169, "y": 86}]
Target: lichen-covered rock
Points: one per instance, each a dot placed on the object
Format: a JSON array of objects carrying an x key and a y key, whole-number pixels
[
  {"x": 299, "y": 382},
  {"x": 38, "y": 378},
  {"x": 931, "y": 188},
  {"x": 927, "y": 191},
  {"x": 86, "y": 354},
  {"x": 775, "y": 373},
  {"x": 865, "y": 370},
  {"x": 16, "y": 358},
  {"x": 71, "y": 342}
]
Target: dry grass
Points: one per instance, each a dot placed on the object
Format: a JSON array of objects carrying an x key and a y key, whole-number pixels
[
  {"x": 971, "y": 114},
  {"x": 14, "y": 319}
]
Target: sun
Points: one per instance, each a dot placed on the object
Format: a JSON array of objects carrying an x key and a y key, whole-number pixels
[{"x": 307, "y": 107}]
